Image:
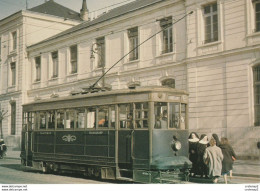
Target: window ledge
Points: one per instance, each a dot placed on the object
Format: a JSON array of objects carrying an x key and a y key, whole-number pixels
[
  {"x": 53, "y": 78},
  {"x": 99, "y": 69},
  {"x": 37, "y": 82},
  {"x": 210, "y": 44},
  {"x": 131, "y": 62},
  {"x": 13, "y": 52},
  {"x": 165, "y": 54},
  {"x": 253, "y": 34},
  {"x": 72, "y": 74}
]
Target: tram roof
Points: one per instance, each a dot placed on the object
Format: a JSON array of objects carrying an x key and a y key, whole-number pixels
[{"x": 138, "y": 90}]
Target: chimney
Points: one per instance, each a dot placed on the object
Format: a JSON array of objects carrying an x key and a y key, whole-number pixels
[{"x": 84, "y": 11}]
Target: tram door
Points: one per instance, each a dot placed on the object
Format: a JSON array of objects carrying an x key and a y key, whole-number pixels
[
  {"x": 27, "y": 140},
  {"x": 125, "y": 138}
]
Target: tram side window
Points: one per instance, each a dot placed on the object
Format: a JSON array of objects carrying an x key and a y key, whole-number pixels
[
  {"x": 80, "y": 118},
  {"x": 70, "y": 119},
  {"x": 60, "y": 119},
  {"x": 141, "y": 115},
  {"x": 25, "y": 121},
  {"x": 42, "y": 120},
  {"x": 112, "y": 117},
  {"x": 51, "y": 119},
  {"x": 161, "y": 115},
  {"x": 103, "y": 116},
  {"x": 174, "y": 114},
  {"x": 126, "y": 116},
  {"x": 31, "y": 120},
  {"x": 91, "y": 117}
]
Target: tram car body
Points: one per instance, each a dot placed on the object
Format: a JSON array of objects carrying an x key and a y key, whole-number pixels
[{"x": 137, "y": 134}]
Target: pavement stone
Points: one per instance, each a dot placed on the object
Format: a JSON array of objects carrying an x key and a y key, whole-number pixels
[{"x": 245, "y": 168}]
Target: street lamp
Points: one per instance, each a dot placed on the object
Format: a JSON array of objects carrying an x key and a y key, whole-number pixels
[{"x": 92, "y": 58}]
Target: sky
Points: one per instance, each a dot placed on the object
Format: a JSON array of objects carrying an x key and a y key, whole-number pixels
[{"x": 8, "y": 7}]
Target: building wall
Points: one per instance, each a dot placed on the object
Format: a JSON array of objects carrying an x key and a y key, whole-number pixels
[
  {"x": 218, "y": 75},
  {"x": 31, "y": 28}
]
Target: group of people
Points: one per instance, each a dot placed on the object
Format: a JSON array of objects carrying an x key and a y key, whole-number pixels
[{"x": 211, "y": 158}]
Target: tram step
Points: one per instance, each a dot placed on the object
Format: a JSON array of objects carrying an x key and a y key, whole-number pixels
[{"x": 125, "y": 179}]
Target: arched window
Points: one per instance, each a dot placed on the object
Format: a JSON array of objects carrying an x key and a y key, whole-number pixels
[
  {"x": 256, "y": 71},
  {"x": 169, "y": 82}
]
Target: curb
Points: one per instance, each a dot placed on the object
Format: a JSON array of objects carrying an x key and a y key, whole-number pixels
[{"x": 246, "y": 175}]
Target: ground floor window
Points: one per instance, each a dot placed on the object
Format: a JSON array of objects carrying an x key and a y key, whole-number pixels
[{"x": 256, "y": 71}]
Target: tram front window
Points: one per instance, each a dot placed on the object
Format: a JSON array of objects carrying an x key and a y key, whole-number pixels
[
  {"x": 174, "y": 113},
  {"x": 141, "y": 115},
  {"x": 161, "y": 115}
]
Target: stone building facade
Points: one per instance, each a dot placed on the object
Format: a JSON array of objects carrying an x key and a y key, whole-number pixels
[{"x": 212, "y": 53}]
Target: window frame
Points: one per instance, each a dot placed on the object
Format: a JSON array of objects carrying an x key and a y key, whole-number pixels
[
  {"x": 167, "y": 35},
  {"x": 133, "y": 41},
  {"x": 73, "y": 59},
  {"x": 101, "y": 52},
  {"x": 37, "y": 61},
  {"x": 256, "y": 91},
  {"x": 55, "y": 64},
  {"x": 14, "y": 40},
  {"x": 13, "y": 73},
  {"x": 211, "y": 15}
]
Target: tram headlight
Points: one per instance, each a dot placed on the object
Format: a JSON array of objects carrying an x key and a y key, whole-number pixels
[{"x": 175, "y": 144}]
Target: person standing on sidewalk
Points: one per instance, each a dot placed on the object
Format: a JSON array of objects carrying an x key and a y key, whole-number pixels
[
  {"x": 193, "y": 155},
  {"x": 213, "y": 158},
  {"x": 229, "y": 157},
  {"x": 201, "y": 147},
  {"x": 215, "y": 136}
]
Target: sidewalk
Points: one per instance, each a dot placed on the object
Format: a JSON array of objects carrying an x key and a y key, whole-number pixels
[{"x": 243, "y": 168}]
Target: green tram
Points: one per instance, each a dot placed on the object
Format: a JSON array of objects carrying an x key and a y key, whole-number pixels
[{"x": 138, "y": 135}]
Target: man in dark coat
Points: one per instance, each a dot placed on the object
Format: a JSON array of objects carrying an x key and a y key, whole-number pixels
[{"x": 229, "y": 157}]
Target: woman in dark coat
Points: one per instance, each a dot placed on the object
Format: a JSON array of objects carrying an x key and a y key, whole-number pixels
[
  {"x": 193, "y": 155},
  {"x": 202, "y": 145},
  {"x": 229, "y": 156},
  {"x": 215, "y": 136}
]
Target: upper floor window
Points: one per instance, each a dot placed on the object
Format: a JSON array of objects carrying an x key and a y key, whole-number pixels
[
  {"x": 101, "y": 52},
  {"x": 257, "y": 14},
  {"x": 0, "y": 47},
  {"x": 210, "y": 13},
  {"x": 14, "y": 40},
  {"x": 13, "y": 73},
  {"x": 38, "y": 68},
  {"x": 55, "y": 66},
  {"x": 74, "y": 59},
  {"x": 133, "y": 43},
  {"x": 256, "y": 71},
  {"x": 167, "y": 37}
]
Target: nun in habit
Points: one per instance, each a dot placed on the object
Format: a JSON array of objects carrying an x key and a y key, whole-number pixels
[
  {"x": 201, "y": 147},
  {"x": 214, "y": 156},
  {"x": 193, "y": 155}
]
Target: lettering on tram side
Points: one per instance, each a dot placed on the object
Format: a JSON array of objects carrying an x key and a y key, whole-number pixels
[
  {"x": 69, "y": 138},
  {"x": 45, "y": 133},
  {"x": 96, "y": 132}
]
